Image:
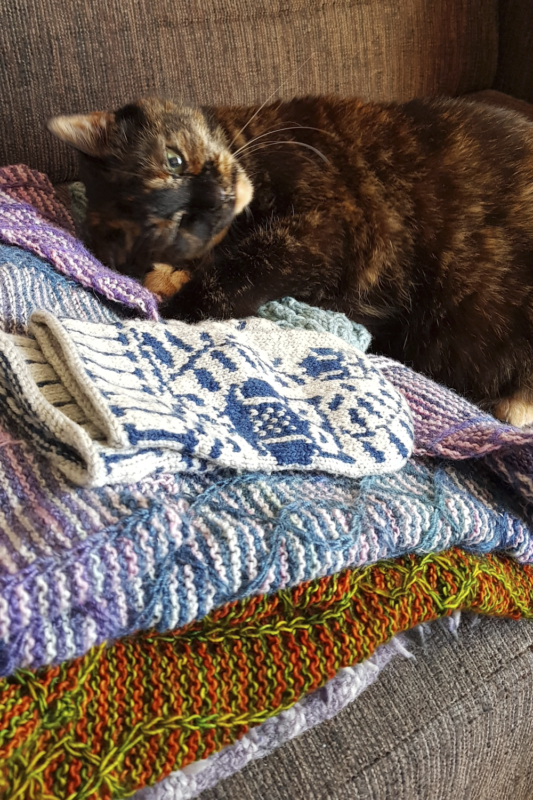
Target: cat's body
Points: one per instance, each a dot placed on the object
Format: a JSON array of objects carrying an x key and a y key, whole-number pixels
[{"x": 414, "y": 219}]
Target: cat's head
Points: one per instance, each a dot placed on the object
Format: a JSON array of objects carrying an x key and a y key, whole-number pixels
[{"x": 161, "y": 182}]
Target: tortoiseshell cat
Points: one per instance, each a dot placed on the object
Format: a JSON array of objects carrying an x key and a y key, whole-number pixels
[{"x": 415, "y": 219}]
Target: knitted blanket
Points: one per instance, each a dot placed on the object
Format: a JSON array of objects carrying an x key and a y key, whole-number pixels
[
  {"x": 79, "y": 566},
  {"x": 125, "y": 716},
  {"x": 113, "y": 403}
]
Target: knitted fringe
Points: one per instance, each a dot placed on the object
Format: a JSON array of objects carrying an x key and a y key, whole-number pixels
[{"x": 125, "y": 716}]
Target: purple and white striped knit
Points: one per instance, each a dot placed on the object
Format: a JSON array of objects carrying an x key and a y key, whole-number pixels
[
  {"x": 78, "y": 566},
  {"x": 32, "y": 229}
]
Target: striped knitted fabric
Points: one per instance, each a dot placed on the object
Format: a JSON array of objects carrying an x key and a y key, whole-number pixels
[
  {"x": 85, "y": 565},
  {"x": 114, "y": 403},
  {"x": 28, "y": 283},
  {"x": 445, "y": 424},
  {"x": 125, "y": 716},
  {"x": 29, "y": 227},
  {"x": 33, "y": 188},
  {"x": 80, "y": 566},
  {"x": 319, "y": 706}
]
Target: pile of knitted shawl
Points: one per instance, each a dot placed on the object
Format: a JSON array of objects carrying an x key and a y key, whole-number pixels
[{"x": 205, "y": 591}]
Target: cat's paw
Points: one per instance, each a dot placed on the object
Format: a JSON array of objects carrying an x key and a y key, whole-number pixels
[
  {"x": 182, "y": 306},
  {"x": 166, "y": 281}
]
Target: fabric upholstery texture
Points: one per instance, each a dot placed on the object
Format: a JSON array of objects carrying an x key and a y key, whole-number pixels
[
  {"x": 62, "y": 56},
  {"x": 455, "y": 723},
  {"x": 515, "y": 65}
]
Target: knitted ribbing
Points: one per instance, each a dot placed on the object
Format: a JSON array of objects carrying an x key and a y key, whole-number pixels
[
  {"x": 78, "y": 567},
  {"x": 78, "y": 203},
  {"x": 446, "y": 425},
  {"x": 127, "y": 715}
]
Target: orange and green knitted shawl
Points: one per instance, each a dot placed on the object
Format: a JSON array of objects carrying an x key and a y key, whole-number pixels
[{"x": 126, "y": 715}]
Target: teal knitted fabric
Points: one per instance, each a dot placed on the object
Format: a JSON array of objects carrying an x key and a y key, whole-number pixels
[{"x": 290, "y": 313}]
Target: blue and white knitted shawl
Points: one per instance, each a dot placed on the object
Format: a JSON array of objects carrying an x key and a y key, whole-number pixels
[{"x": 114, "y": 403}]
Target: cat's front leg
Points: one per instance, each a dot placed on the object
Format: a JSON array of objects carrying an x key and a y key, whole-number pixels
[
  {"x": 164, "y": 280},
  {"x": 208, "y": 295},
  {"x": 288, "y": 257}
]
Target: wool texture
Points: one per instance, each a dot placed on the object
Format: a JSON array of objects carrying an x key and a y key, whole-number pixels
[
  {"x": 30, "y": 227},
  {"x": 82, "y": 566},
  {"x": 317, "y": 707},
  {"x": 125, "y": 716},
  {"x": 113, "y": 403}
]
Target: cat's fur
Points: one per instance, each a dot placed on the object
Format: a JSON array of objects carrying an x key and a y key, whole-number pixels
[{"x": 414, "y": 219}]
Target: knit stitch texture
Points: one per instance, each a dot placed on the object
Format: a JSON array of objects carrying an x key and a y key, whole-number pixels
[
  {"x": 113, "y": 403},
  {"x": 30, "y": 227},
  {"x": 80, "y": 566},
  {"x": 125, "y": 716},
  {"x": 317, "y": 707}
]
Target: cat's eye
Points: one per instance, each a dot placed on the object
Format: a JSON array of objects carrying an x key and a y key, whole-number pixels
[{"x": 175, "y": 162}]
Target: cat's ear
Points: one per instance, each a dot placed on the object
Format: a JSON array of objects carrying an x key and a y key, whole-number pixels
[{"x": 86, "y": 132}]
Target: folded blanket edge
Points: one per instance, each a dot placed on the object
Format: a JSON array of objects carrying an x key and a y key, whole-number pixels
[{"x": 60, "y": 426}]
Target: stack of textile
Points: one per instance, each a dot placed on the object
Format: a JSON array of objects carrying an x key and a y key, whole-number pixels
[{"x": 212, "y": 537}]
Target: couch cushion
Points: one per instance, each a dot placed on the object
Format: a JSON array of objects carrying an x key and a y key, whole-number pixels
[
  {"x": 64, "y": 56},
  {"x": 501, "y": 100},
  {"x": 455, "y": 723}
]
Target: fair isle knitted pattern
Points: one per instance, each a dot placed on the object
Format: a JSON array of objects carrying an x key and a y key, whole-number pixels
[
  {"x": 445, "y": 424},
  {"x": 113, "y": 403},
  {"x": 29, "y": 227},
  {"x": 79, "y": 566},
  {"x": 127, "y": 715}
]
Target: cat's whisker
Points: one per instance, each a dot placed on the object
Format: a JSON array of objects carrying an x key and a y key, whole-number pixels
[
  {"x": 261, "y": 107},
  {"x": 270, "y": 133},
  {"x": 291, "y": 141}
]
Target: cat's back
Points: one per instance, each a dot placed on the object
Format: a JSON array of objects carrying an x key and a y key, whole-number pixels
[
  {"x": 437, "y": 131},
  {"x": 460, "y": 164},
  {"x": 429, "y": 144}
]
